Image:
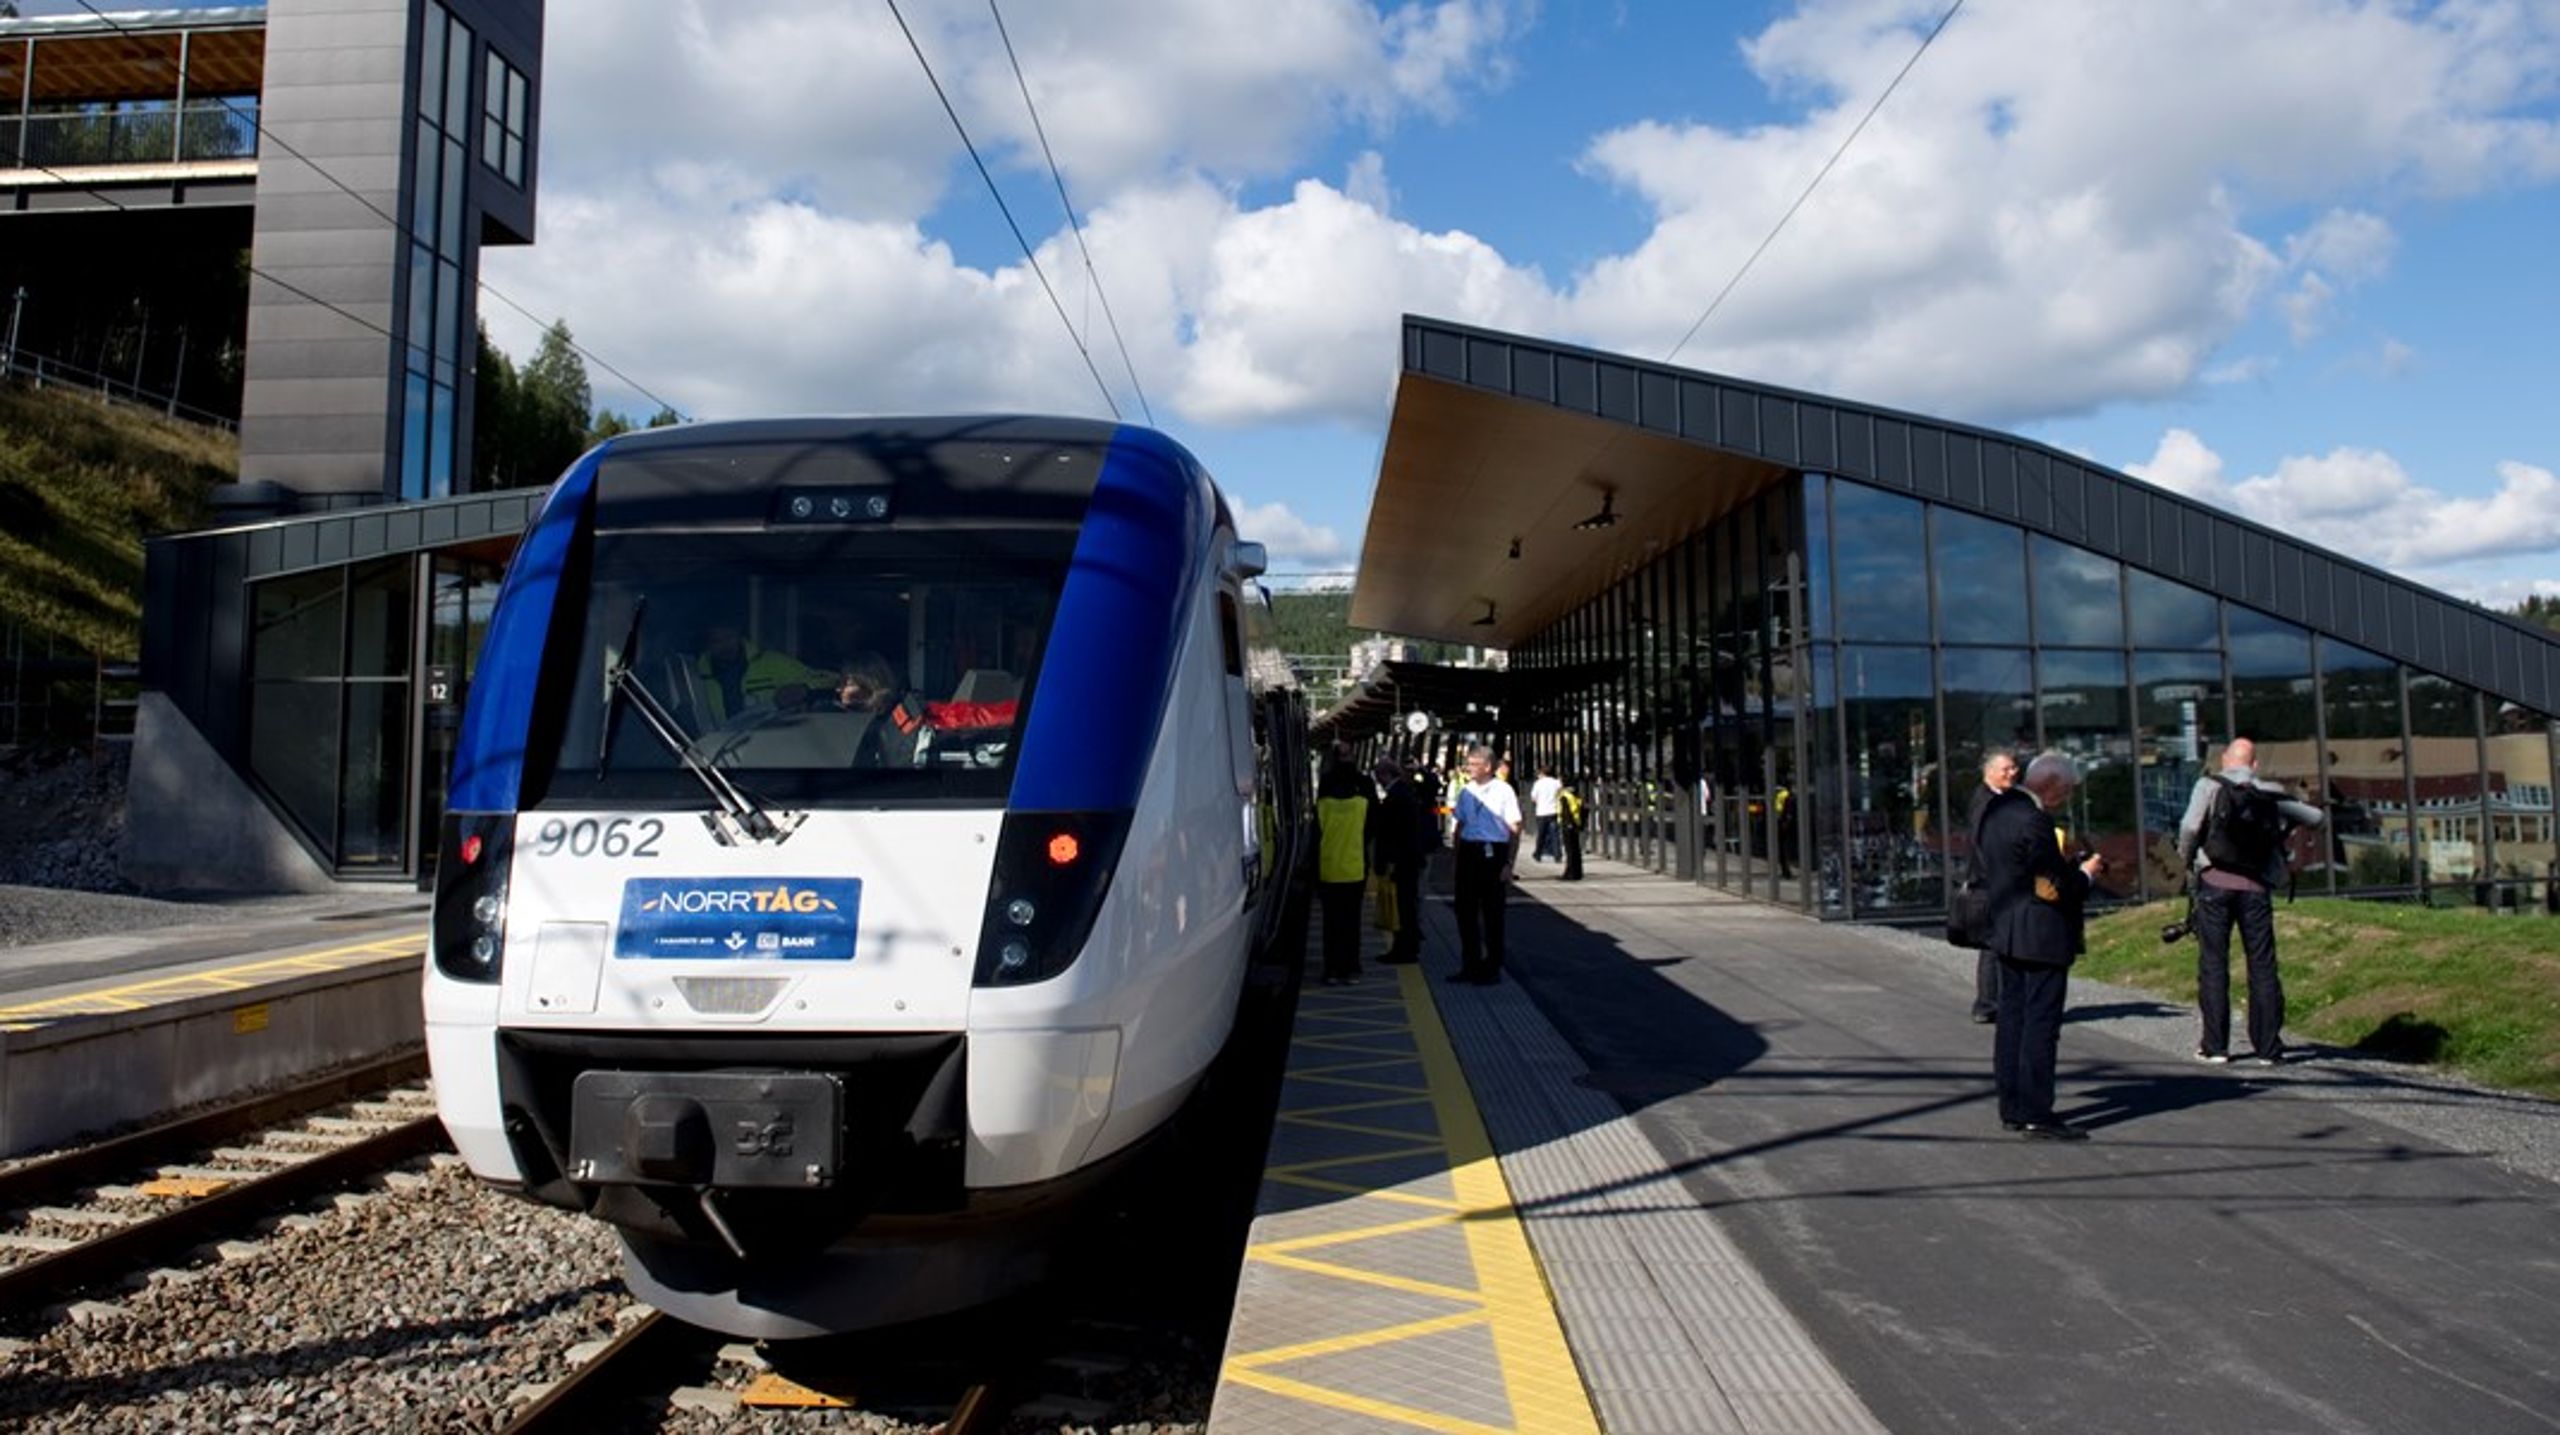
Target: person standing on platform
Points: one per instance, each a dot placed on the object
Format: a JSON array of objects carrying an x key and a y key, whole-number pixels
[
  {"x": 2233, "y": 839},
  {"x": 1999, "y": 779},
  {"x": 1487, "y": 824},
  {"x": 1343, "y": 800},
  {"x": 1569, "y": 817},
  {"x": 2036, "y": 897},
  {"x": 1542, "y": 805},
  {"x": 1403, "y": 832}
]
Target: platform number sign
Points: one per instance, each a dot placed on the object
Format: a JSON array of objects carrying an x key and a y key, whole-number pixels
[{"x": 444, "y": 685}]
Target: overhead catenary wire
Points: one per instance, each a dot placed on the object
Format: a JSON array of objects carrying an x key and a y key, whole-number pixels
[
  {"x": 1004, "y": 208},
  {"x": 1073, "y": 225},
  {"x": 1847, "y": 140},
  {"x": 267, "y": 136}
]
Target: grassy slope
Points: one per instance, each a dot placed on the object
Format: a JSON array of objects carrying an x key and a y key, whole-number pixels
[
  {"x": 2460, "y": 987},
  {"x": 81, "y": 483}
]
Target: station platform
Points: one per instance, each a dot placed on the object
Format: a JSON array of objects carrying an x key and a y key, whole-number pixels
[
  {"x": 1753, "y": 1163},
  {"x": 102, "y": 1031}
]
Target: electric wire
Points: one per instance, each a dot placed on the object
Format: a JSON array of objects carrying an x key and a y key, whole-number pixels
[
  {"x": 1851, "y": 138},
  {"x": 1006, "y": 209},
  {"x": 1073, "y": 226},
  {"x": 266, "y": 136},
  {"x": 286, "y": 285}
]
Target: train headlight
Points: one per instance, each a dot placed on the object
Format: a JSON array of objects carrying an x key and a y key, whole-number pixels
[
  {"x": 1052, "y": 870},
  {"x": 470, "y": 927}
]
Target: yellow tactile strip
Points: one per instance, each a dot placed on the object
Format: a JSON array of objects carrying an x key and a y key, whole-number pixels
[
  {"x": 1389, "y": 1283},
  {"x": 135, "y": 996}
]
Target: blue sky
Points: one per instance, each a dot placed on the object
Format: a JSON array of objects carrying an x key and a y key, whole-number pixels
[{"x": 2290, "y": 256}]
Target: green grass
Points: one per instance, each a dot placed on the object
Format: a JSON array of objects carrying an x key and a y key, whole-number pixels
[
  {"x": 81, "y": 483},
  {"x": 2463, "y": 989}
]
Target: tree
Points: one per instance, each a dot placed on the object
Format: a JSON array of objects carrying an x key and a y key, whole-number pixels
[
  {"x": 2540, "y": 609},
  {"x": 665, "y": 417},
  {"x": 496, "y": 440},
  {"x": 608, "y": 425}
]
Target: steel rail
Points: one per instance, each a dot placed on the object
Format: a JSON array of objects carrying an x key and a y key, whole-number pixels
[
  {"x": 159, "y": 1237},
  {"x": 55, "y": 1176},
  {"x": 633, "y": 1360}
]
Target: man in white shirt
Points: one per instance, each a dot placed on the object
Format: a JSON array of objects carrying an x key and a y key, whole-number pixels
[
  {"x": 1487, "y": 823},
  {"x": 1545, "y": 803}
]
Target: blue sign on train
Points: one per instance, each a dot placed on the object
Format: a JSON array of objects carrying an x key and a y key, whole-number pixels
[{"x": 746, "y": 918}]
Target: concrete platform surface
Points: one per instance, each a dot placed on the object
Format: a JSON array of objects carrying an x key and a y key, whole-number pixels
[{"x": 2334, "y": 1246}]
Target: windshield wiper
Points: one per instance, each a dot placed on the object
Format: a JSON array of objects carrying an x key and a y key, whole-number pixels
[{"x": 737, "y": 817}]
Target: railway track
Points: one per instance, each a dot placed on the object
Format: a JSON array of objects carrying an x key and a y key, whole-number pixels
[{"x": 187, "y": 1187}]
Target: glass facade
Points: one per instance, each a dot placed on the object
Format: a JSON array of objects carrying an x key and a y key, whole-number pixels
[
  {"x": 434, "y": 373},
  {"x": 1794, "y": 703},
  {"x": 329, "y": 707}
]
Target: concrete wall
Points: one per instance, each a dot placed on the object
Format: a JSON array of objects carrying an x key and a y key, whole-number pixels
[
  {"x": 82, "y": 1074},
  {"x": 192, "y": 824}
]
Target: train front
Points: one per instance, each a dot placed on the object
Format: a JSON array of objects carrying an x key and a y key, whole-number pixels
[{"x": 789, "y": 745}]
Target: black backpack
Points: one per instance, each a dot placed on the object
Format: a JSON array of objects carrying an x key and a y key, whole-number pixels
[{"x": 2245, "y": 829}]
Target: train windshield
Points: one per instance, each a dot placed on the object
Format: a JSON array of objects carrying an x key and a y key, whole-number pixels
[{"x": 814, "y": 667}]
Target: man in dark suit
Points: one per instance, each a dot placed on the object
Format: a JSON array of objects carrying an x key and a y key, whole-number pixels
[
  {"x": 2036, "y": 897},
  {"x": 1999, "y": 780},
  {"x": 1402, "y": 833}
]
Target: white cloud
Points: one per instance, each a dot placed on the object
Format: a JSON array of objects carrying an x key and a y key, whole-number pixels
[
  {"x": 2348, "y": 245},
  {"x": 2396, "y": 358},
  {"x": 1296, "y": 546},
  {"x": 2247, "y": 369},
  {"x": 2363, "y": 502},
  {"x": 2055, "y": 209},
  {"x": 740, "y": 205}
]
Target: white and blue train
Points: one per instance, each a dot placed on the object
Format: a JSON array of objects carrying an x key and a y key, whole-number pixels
[{"x": 857, "y": 839}]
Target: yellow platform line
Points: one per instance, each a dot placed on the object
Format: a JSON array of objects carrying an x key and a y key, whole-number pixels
[
  {"x": 1403, "y": 1198},
  {"x": 1296, "y": 1112},
  {"x": 1538, "y": 1373},
  {"x": 1353, "y": 1127},
  {"x": 1384, "y": 1280},
  {"x": 136, "y": 995},
  {"x": 1414, "y": 1146},
  {"x": 1357, "y": 1233},
  {"x": 1399, "y": 1059}
]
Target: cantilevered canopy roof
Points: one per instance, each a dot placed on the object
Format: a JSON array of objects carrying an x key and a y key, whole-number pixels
[{"x": 1497, "y": 437}]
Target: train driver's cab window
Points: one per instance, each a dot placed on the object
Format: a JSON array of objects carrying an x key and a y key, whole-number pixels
[{"x": 863, "y": 666}]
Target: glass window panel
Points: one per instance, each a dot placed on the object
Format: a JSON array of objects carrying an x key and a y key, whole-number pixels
[
  {"x": 448, "y": 310},
  {"x": 2079, "y": 595},
  {"x": 293, "y": 750},
  {"x": 1817, "y": 555},
  {"x": 457, "y": 80},
  {"x": 378, "y": 620},
  {"x": 493, "y": 141},
  {"x": 1889, "y": 717},
  {"x": 422, "y": 195},
  {"x": 431, "y": 35},
  {"x": 514, "y": 167},
  {"x": 2273, "y": 705},
  {"x": 440, "y": 418},
  {"x": 2444, "y": 765},
  {"x": 2170, "y": 615},
  {"x": 420, "y": 330},
  {"x": 296, "y": 627},
  {"x": 413, "y": 437},
  {"x": 1822, "y": 798},
  {"x": 1989, "y": 695},
  {"x": 515, "y": 99},
  {"x": 2081, "y": 697},
  {"x": 2521, "y": 800},
  {"x": 2177, "y": 713},
  {"x": 373, "y": 791},
  {"x": 449, "y": 228},
  {"x": 1877, "y": 550},
  {"x": 493, "y": 100},
  {"x": 2368, "y": 795},
  {"x": 1981, "y": 572}
]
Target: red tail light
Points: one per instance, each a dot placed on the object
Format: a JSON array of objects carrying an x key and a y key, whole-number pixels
[
  {"x": 1064, "y": 849},
  {"x": 471, "y": 846}
]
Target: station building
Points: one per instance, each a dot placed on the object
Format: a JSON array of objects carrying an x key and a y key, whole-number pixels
[
  {"x": 303, "y": 659},
  {"x": 1775, "y": 633}
]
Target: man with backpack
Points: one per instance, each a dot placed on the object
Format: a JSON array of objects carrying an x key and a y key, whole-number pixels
[{"x": 2233, "y": 839}]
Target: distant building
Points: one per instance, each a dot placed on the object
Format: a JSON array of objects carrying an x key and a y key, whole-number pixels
[{"x": 303, "y": 662}]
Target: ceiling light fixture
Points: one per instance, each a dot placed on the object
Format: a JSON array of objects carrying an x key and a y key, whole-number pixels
[
  {"x": 1515, "y": 547},
  {"x": 1607, "y": 517},
  {"x": 1487, "y": 620}
]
